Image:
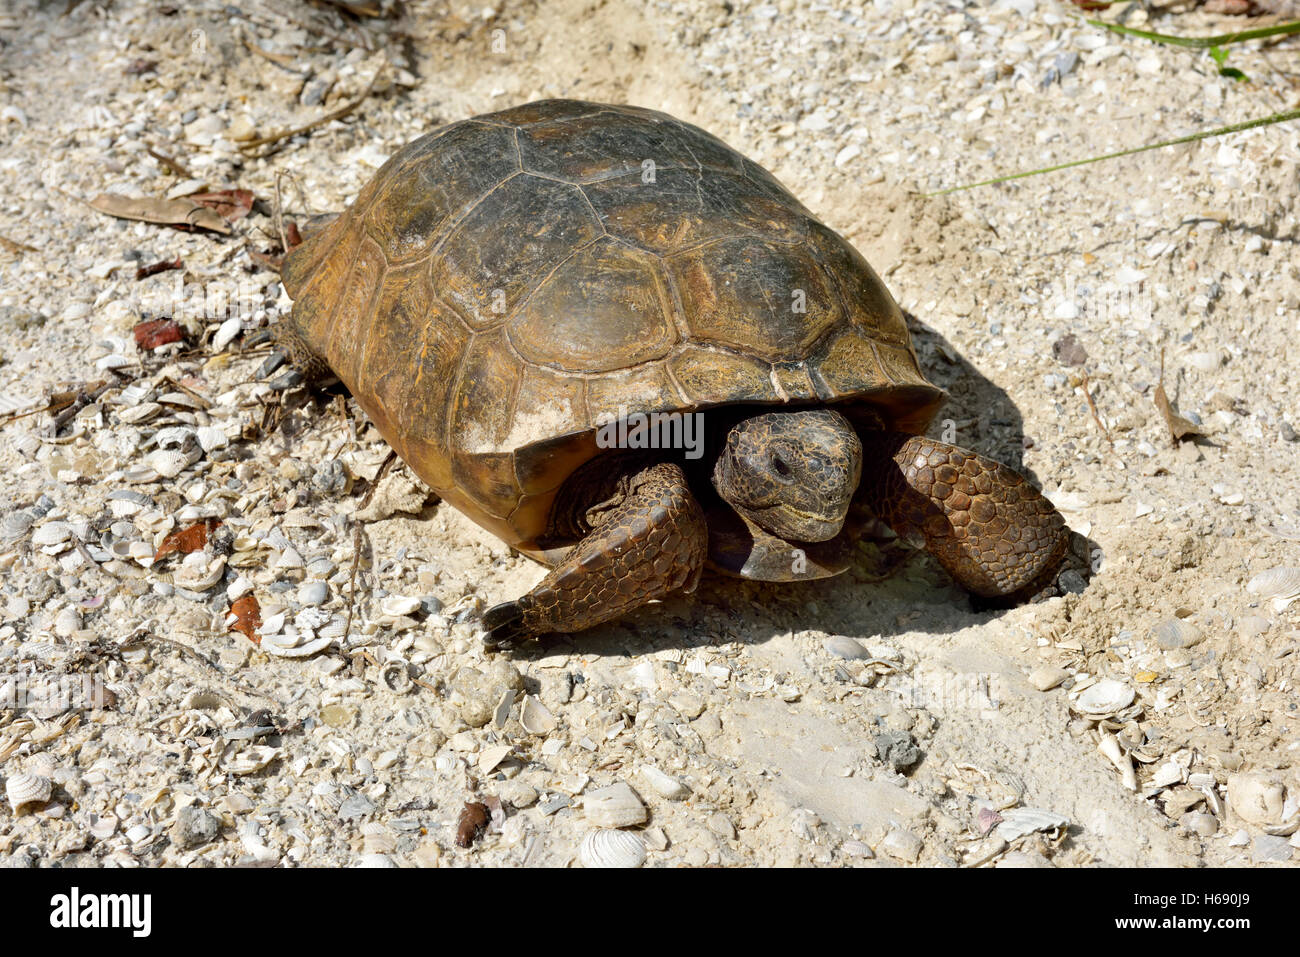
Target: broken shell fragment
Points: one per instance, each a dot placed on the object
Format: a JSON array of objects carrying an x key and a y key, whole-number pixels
[
  {"x": 604, "y": 847},
  {"x": 1257, "y": 798},
  {"x": 614, "y": 806},
  {"x": 1104, "y": 698},
  {"x": 535, "y": 717}
]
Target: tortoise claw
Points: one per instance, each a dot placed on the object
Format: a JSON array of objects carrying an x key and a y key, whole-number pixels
[
  {"x": 260, "y": 337},
  {"x": 504, "y": 624},
  {"x": 287, "y": 380},
  {"x": 273, "y": 362}
]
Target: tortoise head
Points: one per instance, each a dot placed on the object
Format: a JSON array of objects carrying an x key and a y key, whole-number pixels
[{"x": 792, "y": 473}]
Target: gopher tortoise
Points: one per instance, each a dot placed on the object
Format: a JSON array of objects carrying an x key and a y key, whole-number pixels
[{"x": 628, "y": 351}]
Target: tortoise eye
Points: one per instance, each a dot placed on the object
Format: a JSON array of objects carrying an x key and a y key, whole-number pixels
[{"x": 780, "y": 466}]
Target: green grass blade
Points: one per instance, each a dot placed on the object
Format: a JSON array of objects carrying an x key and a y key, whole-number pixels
[
  {"x": 1191, "y": 138},
  {"x": 1278, "y": 29}
]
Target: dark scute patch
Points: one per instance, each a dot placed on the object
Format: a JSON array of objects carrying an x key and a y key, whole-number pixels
[
  {"x": 507, "y": 245},
  {"x": 767, "y": 299},
  {"x": 434, "y": 182},
  {"x": 602, "y": 309},
  {"x": 683, "y": 208}
]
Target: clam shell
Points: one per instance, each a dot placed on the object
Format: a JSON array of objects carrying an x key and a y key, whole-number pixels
[
  {"x": 14, "y": 525},
  {"x": 1019, "y": 821},
  {"x": 174, "y": 435},
  {"x": 604, "y": 847},
  {"x": 1280, "y": 584},
  {"x": 614, "y": 806},
  {"x": 396, "y": 606},
  {"x": 1257, "y": 798},
  {"x": 1105, "y": 697},
  {"x": 135, "y": 414},
  {"x": 211, "y": 438},
  {"x": 52, "y": 533},
  {"x": 283, "y": 645},
  {"x": 169, "y": 462},
  {"x": 1176, "y": 633},
  {"x": 27, "y": 445},
  {"x": 25, "y": 788}
]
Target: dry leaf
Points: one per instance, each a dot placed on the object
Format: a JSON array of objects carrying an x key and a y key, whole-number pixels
[
  {"x": 181, "y": 213},
  {"x": 248, "y": 617},
  {"x": 153, "y": 333},
  {"x": 186, "y": 540}
]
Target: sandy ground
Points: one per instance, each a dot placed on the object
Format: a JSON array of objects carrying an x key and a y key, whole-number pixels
[{"x": 763, "y": 747}]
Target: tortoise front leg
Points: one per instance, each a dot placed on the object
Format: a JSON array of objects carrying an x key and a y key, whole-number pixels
[
  {"x": 646, "y": 546},
  {"x": 289, "y": 347},
  {"x": 993, "y": 531}
]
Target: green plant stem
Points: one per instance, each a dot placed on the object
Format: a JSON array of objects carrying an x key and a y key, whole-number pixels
[
  {"x": 1192, "y": 138},
  {"x": 1279, "y": 29}
]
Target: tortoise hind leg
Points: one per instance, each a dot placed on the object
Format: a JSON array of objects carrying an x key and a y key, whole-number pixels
[
  {"x": 644, "y": 547},
  {"x": 989, "y": 528},
  {"x": 289, "y": 348}
]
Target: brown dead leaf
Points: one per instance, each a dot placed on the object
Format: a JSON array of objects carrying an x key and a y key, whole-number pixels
[
  {"x": 180, "y": 213},
  {"x": 186, "y": 540},
  {"x": 248, "y": 617},
  {"x": 1179, "y": 427},
  {"x": 153, "y": 333},
  {"x": 231, "y": 204}
]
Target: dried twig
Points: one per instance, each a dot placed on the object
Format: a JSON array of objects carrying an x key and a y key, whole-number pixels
[
  {"x": 176, "y": 166},
  {"x": 1092, "y": 407},
  {"x": 252, "y": 146}
]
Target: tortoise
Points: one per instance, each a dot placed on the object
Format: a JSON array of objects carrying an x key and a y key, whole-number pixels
[{"x": 527, "y": 302}]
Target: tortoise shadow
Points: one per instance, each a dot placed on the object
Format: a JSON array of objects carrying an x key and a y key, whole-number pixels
[{"x": 889, "y": 589}]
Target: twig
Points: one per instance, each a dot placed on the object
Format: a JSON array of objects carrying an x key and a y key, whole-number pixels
[
  {"x": 1092, "y": 407},
  {"x": 253, "y": 145},
  {"x": 176, "y": 166},
  {"x": 16, "y": 247}
]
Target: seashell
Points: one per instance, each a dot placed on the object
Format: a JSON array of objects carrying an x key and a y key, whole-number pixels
[
  {"x": 197, "y": 573},
  {"x": 604, "y": 847},
  {"x": 396, "y": 675},
  {"x": 276, "y": 645},
  {"x": 535, "y": 717},
  {"x": 1176, "y": 633},
  {"x": 311, "y": 618},
  {"x": 67, "y": 622},
  {"x": 1257, "y": 798},
  {"x": 114, "y": 360},
  {"x": 1019, "y": 821},
  {"x": 395, "y": 606},
  {"x": 614, "y": 806},
  {"x": 240, "y": 587},
  {"x": 841, "y": 646},
  {"x": 27, "y": 445},
  {"x": 289, "y": 558},
  {"x": 182, "y": 399},
  {"x": 251, "y": 759},
  {"x": 1280, "y": 584},
  {"x": 665, "y": 784},
  {"x": 52, "y": 533},
  {"x": 169, "y": 462},
  {"x": 15, "y": 525},
  {"x": 313, "y": 593},
  {"x": 212, "y": 438},
  {"x": 135, "y": 414},
  {"x": 25, "y": 788},
  {"x": 1106, "y": 697},
  {"x": 226, "y": 333},
  {"x": 14, "y": 402},
  {"x": 174, "y": 435},
  {"x": 134, "y": 394}
]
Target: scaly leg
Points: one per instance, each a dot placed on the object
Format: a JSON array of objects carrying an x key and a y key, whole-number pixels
[
  {"x": 647, "y": 546},
  {"x": 993, "y": 531}
]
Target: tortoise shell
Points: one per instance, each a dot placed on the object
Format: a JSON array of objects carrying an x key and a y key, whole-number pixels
[{"x": 506, "y": 284}]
